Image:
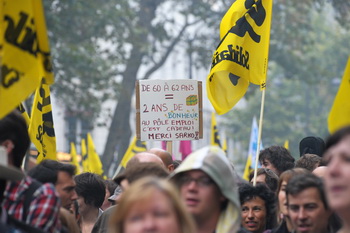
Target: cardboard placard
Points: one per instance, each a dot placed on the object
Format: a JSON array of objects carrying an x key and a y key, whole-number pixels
[{"x": 168, "y": 110}]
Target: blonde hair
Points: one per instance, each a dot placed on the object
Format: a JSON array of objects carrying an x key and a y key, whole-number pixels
[{"x": 141, "y": 191}]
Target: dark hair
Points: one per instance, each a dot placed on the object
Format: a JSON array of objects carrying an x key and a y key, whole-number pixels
[
  {"x": 111, "y": 186},
  {"x": 176, "y": 163},
  {"x": 308, "y": 161},
  {"x": 271, "y": 178},
  {"x": 140, "y": 170},
  {"x": 13, "y": 127},
  {"x": 337, "y": 137},
  {"x": 286, "y": 175},
  {"x": 278, "y": 156},
  {"x": 247, "y": 192},
  {"x": 91, "y": 187},
  {"x": 47, "y": 171},
  {"x": 301, "y": 182}
]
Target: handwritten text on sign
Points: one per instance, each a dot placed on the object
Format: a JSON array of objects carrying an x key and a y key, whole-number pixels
[{"x": 169, "y": 110}]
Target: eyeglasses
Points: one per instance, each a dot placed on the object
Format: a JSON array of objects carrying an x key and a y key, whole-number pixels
[{"x": 201, "y": 181}]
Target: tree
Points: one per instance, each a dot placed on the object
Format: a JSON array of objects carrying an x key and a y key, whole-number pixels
[{"x": 99, "y": 48}]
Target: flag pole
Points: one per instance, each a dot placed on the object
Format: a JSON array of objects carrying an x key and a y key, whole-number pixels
[
  {"x": 259, "y": 135},
  {"x": 169, "y": 147}
]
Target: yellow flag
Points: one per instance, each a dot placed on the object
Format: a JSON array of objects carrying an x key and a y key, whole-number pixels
[
  {"x": 286, "y": 144},
  {"x": 95, "y": 165},
  {"x": 24, "y": 52},
  {"x": 24, "y": 113},
  {"x": 214, "y": 138},
  {"x": 135, "y": 147},
  {"x": 224, "y": 145},
  {"x": 248, "y": 169},
  {"x": 84, "y": 156},
  {"x": 339, "y": 115},
  {"x": 41, "y": 127},
  {"x": 242, "y": 54},
  {"x": 74, "y": 160}
]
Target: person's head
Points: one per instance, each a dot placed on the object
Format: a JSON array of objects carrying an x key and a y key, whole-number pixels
[
  {"x": 165, "y": 156},
  {"x": 337, "y": 158},
  {"x": 311, "y": 145},
  {"x": 320, "y": 171},
  {"x": 91, "y": 191},
  {"x": 258, "y": 207},
  {"x": 7, "y": 173},
  {"x": 144, "y": 157},
  {"x": 59, "y": 174},
  {"x": 110, "y": 188},
  {"x": 276, "y": 158},
  {"x": 151, "y": 205},
  {"x": 281, "y": 188},
  {"x": 308, "y": 161},
  {"x": 206, "y": 194},
  {"x": 265, "y": 176},
  {"x": 135, "y": 172},
  {"x": 176, "y": 163},
  {"x": 14, "y": 137},
  {"x": 307, "y": 206}
]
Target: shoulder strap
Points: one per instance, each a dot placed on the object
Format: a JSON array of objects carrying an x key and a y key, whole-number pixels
[{"x": 28, "y": 197}]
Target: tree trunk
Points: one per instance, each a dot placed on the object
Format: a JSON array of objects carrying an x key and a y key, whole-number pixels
[{"x": 119, "y": 131}]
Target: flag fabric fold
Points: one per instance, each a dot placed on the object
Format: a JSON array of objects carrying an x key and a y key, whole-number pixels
[
  {"x": 24, "y": 113},
  {"x": 95, "y": 165},
  {"x": 339, "y": 116},
  {"x": 242, "y": 54},
  {"x": 74, "y": 160},
  {"x": 214, "y": 136},
  {"x": 84, "y": 155},
  {"x": 41, "y": 127},
  {"x": 136, "y": 146},
  {"x": 25, "y": 53}
]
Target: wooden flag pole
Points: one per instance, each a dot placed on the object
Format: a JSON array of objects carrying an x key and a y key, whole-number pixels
[
  {"x": 259, "y": 135},
  {"x": 169, "y": 147}
]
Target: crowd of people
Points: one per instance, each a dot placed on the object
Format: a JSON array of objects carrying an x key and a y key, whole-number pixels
[{"x": 201, "y": 194}]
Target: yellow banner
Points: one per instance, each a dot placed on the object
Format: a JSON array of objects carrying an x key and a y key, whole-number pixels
[
  {"x": 242, "y": 54},
  {"x": 95, "y": 165},
  {"x": 24, "y": 113},
  {"x": 135, "y": 147},
  {"x": 74, "y": 160},
  {"x": 339, "y": 115},
  {"x": 214, "y": 137},
  {"x": 41, "y": 127},
  {"x": 25, "y": 52},
  {"x": 248, "y": 169},
  {"x": 84, "y": 156}
]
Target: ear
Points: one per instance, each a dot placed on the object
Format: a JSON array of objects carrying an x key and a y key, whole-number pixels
[
  {"x": 8, "y": 144},
  {"x": 171, "y": 167}
]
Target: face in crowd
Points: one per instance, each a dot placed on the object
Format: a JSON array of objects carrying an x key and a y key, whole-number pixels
[
  {"x": 254, "y": 215},
  {"x": 200, "y": 194},
  {"x": 65, "y": 187},
  {"x": 337, "y": 175},
  {"x": 154, "y": 214},
  {"x": 307, "y": 211},
  {"x": 151, "y": 205}
]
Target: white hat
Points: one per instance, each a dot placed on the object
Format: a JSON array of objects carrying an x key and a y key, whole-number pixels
[{"x": 8, "y": 172}]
